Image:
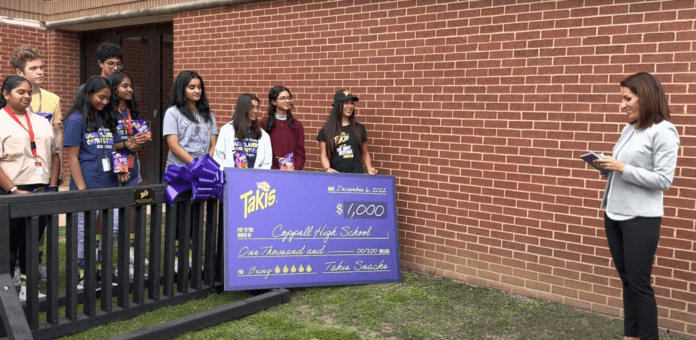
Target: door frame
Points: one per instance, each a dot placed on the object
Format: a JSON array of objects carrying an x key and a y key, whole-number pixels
[{"x": 154, "y": 32}]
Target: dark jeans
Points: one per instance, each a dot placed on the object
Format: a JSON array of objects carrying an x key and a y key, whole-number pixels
[
  {"x": 18, "y": 236},
  {"x": 633, "y": 244}
]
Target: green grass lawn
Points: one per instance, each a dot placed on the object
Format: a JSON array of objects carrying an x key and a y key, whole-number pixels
[{"x": 420, "y": 307}]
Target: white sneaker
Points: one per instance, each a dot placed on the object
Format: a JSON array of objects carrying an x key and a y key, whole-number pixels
[
  {"x": 132, "y": 258},
  {"x": 176, "y": 266},
  {"x": 131, "y": 271},
  {"x": 23, "y": 294}
]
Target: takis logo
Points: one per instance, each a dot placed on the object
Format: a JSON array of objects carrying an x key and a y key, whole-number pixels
[{"x": 262, "y": 199}]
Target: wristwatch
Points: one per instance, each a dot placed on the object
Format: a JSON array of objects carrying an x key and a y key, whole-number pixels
[{"x": 12, "y": 190}]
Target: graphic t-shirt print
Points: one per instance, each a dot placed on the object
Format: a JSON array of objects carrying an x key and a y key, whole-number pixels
[
  {"x": 343, "y": 149},
  {"x": 194, "y": 140},
  {"x": 249, "y": 148},
  {"x": 101, "y": 139}
]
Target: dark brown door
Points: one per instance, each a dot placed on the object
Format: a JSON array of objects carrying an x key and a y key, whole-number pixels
[{"x": 148, "y": 58}]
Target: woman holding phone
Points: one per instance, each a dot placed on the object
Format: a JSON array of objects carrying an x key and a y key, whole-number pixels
[{"x": 641, "y": 169}]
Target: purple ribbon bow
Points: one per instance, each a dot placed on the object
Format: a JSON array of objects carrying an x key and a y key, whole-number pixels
[{"x": 203, "y": 176}]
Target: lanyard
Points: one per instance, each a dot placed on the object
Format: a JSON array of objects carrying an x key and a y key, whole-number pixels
[
  {"x": 28, "y": 129},
  {"x": 129, "y": 125},
  {"x": 40, "y": 102}
]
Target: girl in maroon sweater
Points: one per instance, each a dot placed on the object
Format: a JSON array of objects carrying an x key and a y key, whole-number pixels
[{"x": 287, "y": 134}]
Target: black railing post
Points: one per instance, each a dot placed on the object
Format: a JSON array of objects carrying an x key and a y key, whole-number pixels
[
  {"x": 32, "y": 263},
  {"x": 169, "y": 239},
  {"x": 90, "y": 283},
  {"x": 155, "y": 244},
  {"x": 52, "y": 269},
  {"x": 139, "y": 266},
  {"x": 107, "y": 256},
  {"x": 220, "y": 265},
  {"x": 5, "y": 241},
  {"x": 125, "y": 216},
  {"x": 184, "y": 223},
  {"x": 210, "y": 232},
  {"x": 71, "y": 266},
  {"x": 196, "y": 244},
  {"x": 14, "y": 321}
]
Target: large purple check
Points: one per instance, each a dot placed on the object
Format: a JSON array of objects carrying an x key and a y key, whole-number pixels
[{"x": 300, "y": 229}]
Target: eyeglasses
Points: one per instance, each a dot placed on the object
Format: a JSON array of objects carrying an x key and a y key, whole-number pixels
[
  {"x": 289, "y": 99},
  {"x": 117, "y": 66}
]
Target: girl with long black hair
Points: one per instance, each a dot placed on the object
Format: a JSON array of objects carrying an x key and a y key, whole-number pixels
[
  {"x": 125, "y": 107},
  {"x": 189, "y": 126},
  {"x": 242, "y": 142},
  {"x": 29, "y": 159},
  {"x": 90, "y": 134},
  {"x": 342, "y": 140},
  {"x": 286, "y": 132}
]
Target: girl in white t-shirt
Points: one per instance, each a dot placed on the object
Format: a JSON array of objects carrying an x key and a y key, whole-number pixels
[{"x": 243, "y": 144}]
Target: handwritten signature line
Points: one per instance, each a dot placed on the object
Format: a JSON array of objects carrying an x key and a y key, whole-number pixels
[{"x": 356, "y": 271}]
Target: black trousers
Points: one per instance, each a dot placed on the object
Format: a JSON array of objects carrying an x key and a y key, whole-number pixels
[
  {"x": 18, "y": 236},
  {"x": 633, "y": 244}
]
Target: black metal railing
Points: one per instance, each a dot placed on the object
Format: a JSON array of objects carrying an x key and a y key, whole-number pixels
[{"x": 198, "y": 224}]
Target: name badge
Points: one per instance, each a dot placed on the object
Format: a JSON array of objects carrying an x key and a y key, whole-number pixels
[
  {"x": 106, "y": 164},
  {"x": 131, "y": 161},
  {"x": 38, "y": 168}
]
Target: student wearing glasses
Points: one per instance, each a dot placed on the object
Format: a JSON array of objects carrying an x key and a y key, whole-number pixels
[
  {"x": 286, "y": 132},
  {"x": 110, "y": 58}
]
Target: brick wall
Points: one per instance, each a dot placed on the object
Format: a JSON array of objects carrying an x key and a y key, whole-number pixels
[
  {"x": 62, "y": 60},
  {"x": 60, "y": 51},
  {"x": 480, "y": 109},
  {"x": 13, "y": 36}
]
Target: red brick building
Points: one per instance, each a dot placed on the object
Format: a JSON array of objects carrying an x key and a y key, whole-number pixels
[{"x": 479, "y": 108}]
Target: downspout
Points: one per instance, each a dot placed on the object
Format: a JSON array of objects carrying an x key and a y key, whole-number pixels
[{"x": 169, "y": 9}]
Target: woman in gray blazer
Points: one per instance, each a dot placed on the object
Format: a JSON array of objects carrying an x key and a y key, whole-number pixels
[{"x": 643, "y": 164}]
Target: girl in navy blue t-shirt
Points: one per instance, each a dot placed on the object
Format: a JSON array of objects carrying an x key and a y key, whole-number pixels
[
  {"x": 125, "y": 108},
  {"x": 90, "y": 132}
]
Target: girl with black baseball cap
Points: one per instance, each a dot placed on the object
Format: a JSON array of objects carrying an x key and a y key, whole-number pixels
[{"x": 342, "y": 140}]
